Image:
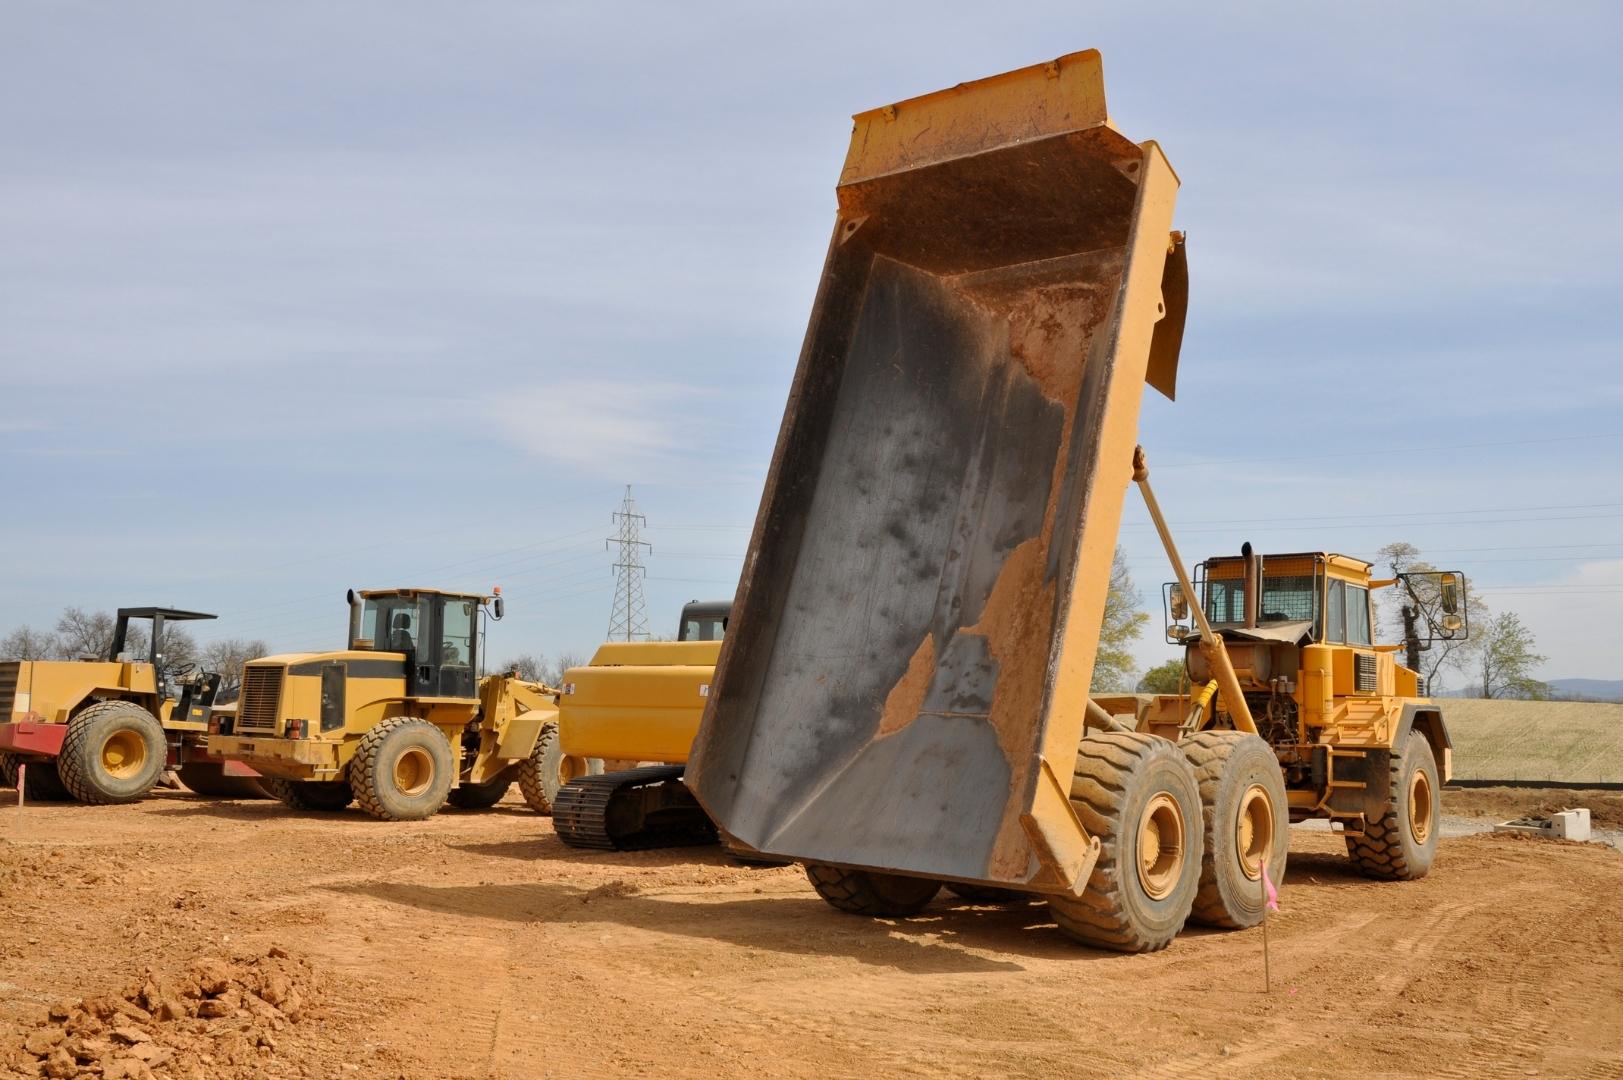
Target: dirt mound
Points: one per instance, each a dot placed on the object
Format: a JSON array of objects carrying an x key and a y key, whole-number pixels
[
  {"x": 220, "y": 1018},
  {"x": 1502, "y": 804}
]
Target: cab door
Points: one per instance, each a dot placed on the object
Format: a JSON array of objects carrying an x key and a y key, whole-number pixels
[{"x": 455, "y": 645}]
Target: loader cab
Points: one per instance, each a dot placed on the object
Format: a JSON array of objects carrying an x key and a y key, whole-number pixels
[
  {"x": 437, "y": 632},
  {"x": 704, "y": 620},
  {"x": 1301, "y": 598}
]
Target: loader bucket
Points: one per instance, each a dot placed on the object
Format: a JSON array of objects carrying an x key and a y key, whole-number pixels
[{"x": 904, "y": 681}]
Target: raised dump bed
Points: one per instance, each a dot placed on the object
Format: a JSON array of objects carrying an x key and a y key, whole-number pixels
[{"x": 904, "y": 683}]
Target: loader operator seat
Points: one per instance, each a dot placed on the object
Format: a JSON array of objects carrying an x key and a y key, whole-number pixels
[{"x": 400, "y": 639}]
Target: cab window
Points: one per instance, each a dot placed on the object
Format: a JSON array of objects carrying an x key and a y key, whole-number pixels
[
  {"x": 1358, "y": 630},
  {"x": 457, "y": 646},
  {"x": 393, "y": 623}
]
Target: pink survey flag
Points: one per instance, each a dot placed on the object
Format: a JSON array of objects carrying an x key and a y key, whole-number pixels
[{"x": 1268, "y": 884}]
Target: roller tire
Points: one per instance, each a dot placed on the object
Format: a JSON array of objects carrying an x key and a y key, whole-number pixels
[
  {"x": 541, "y": 774},
  {"x": 8, "y": 770},
  {"x": 374, "y": 776},
  {"x": 320, "y": 796},
  {"x": 42, "y": 783},
  {"x": 1389, "y": 849},
  {"x": 82, "y": 763},
  {"x": 986, "y": 894},
  {"x": 209, "y": 779},
  {"x": 1228, "y": 765},
  {"x": 467, "y": 796},
  {"x": 864, "y": 892},
  {"x": 1118, "y": 776}
]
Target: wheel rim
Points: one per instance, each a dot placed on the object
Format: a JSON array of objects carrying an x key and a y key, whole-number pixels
[
  {"x": 1254, "y": 830},
  {"x": 413, "y": 771},
  {"x": 1160, "y": 846},
  {"x": 1420, "y": 806},
  {"x": 124, "y": 754},
  {"x": 568, "y": 769}
]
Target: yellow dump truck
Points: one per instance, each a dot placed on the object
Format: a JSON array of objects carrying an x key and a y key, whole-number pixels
[
  {"x": 103, "y": 729},
  {"x": 400, "y": 722},
  {"x": 902, "y": 701},
  {"x": 639, "y": 701}
]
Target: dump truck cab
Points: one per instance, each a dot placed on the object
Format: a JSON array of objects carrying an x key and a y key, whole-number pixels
[
  {"x": 103, "y": 728},
  {"x": 400, "y": 720}
]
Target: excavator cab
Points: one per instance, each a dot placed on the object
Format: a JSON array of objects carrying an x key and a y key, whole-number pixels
[{"x": 704, "y": 620}]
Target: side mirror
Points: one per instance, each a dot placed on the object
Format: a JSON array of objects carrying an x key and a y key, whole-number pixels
[
  {"x": 1179, "y": 604},
  {"x": 1449, "y": 588},
  {"x": 498, "y": 608},
  {"x": 1452, "y": 624}
]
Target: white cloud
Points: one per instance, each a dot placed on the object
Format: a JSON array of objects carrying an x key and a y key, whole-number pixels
[{"x": 623, "y": 430}]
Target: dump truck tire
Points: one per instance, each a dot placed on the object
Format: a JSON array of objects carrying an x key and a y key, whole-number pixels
[
  {"x": 864, "y": 892},
  {"x": 8, "y": 770},
  {"x": 548, "y": 768},
  {"x": 1138, "y": 795},
  {"x": 1245, "y": 818},
  {"x": 986, "y": 894},
  {"x": 403, "y": 770},
  {"x": 114, "y": 752},
  {"x": 326, "y": 796},
  {"x": 479, "y": 796},
  {"x": 209, "y": 779},
  {"x": 1403, "y": 843}
]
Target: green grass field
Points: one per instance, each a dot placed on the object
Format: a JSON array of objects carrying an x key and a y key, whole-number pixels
[{"x": 1575, "y": 741}]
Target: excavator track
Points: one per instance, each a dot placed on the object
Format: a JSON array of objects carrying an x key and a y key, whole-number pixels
[{"x": 633, "y": 810}]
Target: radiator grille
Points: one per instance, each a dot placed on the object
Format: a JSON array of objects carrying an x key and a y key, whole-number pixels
[
  {"x": 261, "y": 697},
  {"x": 8, "y": 690},
  {"x": 1365, "y": 679}
]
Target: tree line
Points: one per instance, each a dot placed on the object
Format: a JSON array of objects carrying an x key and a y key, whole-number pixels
[{"x": 86, "y": 635}]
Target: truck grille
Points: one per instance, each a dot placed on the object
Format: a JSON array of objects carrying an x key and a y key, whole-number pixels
[
  {"x": 8, "y": 690},
  {"x": 1364, "y": 679},
  {"x": 261, "y": 698}
]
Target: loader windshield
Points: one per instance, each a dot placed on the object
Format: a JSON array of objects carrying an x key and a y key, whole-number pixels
[{"x": 394, "y": 623}]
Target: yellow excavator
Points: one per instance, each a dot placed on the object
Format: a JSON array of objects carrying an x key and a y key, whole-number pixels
[
  {"x": 400, "y": 722},
  {"x": 902, "y": 700}
]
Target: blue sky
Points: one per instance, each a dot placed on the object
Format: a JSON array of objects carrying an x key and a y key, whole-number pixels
[{"x": 295, "y": 297}]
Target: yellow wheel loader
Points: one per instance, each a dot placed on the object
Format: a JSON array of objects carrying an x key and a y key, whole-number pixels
[
  {"x": 639, "y": 701},
  {"x": 104, "y": 729},
  {"x": 399, "y": 723},
  {"x": 902, "y": 702}
]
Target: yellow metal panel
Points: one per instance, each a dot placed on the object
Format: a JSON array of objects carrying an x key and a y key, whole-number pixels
[
  {"x": 623, "y": 653},
  {"x": 639, "y": 713},
  {"x": 1318, "y": 685}
]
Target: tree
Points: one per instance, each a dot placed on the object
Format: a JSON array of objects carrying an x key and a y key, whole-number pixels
[
  {"x": 1507, "y": 660},
  {"x": 1114, "y": 665},
  {"x": 1456, "y": 654},
  {"x": 555, "y": 673},
  {"x": 531, "y": 667},
  {"x": 1164, "y": 678},
  {"x": 228, "y": 657},
  {"x": 26, "y": 643},
  {"x": 90, "y": 633}
]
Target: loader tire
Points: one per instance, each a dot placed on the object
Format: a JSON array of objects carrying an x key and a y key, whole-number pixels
[
  {"x": 986, "y": 894},
  {"x": 403, "y": 770},
  {"x": 8, "y": 770},
  {"x": 1246, "y": 819},
  {"x": 1403, "y": 843},
  {"x": 548, "y": 768},
  {"x": 864, "y": 892},
  {"x": 326, "y": 796},
  {"x": 1137, "y": 794},
  {"x": 114, "y": 752},
  {"x": 208, "y": 778},
  {"x": 483, "y": 796}
]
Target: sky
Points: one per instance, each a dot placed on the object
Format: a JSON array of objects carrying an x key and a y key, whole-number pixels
[{"x": 305, "y": 296}]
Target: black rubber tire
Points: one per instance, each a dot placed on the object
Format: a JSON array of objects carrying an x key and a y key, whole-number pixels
[
  {"x": 466, "y": 796},
  {"x": 8, "y": 770},
  {"x": 80, "y": 763},
  {"x": 324, "y": 796},
  {"x": 41, "y": 782},
  {"x": 865, "y": 892},
  {"x": 1118, "y": 775},
  {"x": 372, "y": 773},
  {"x": 540, "y": 775},
  {"x": 987, "y": 894},
  {"x": 1389, "y": 849},
  {"x": 209, "y": 778},
  {"x": 1228, "y": 764}
]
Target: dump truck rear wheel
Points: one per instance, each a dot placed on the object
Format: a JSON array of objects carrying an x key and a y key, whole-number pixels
[
  {"x": 208, "y": 778},
  {"x": 1403, "y": 843},
  {"x": 114, "y": 752},
  {"x": 403, "y": 770},
  {"x": 327, "y": 796},
  {"x": 864, "y": 892},
  {"x": 1246, "y": 820},
  {"x": 1138, "y": 795},
  {"x": 467, "y": 796},
  {"x": 986, "y": 894},
  {"x": 548, "y": 768}
]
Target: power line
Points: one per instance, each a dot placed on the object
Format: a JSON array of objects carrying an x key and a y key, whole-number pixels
[{"x": 1395, "y": 450}]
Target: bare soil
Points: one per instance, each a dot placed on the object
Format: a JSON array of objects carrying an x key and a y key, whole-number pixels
[
  {"x": 251, "y": 941},
  {"x": 1505, "y": 803}
]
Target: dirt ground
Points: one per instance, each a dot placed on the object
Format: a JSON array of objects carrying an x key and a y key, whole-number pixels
[{"x": 238, "y": 939}]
